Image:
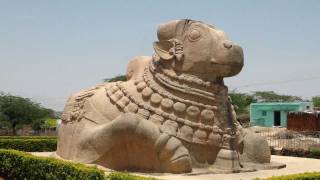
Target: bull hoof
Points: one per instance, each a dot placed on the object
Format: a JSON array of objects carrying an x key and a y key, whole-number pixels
[{"x": 173, "y": 156}]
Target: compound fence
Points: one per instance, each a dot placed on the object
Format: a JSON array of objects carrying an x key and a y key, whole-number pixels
[{"x": 283, "y": 138}]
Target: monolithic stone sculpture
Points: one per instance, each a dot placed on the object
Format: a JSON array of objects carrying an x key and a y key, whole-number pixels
[{"x": 172, "y": 115}]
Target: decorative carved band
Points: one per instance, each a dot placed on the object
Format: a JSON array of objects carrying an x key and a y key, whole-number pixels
[{"x": 186, "y": 130}]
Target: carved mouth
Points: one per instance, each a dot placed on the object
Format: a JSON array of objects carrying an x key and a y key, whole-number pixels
[
  {"x": 225, "y": 64},
  {"x": 215, "y": 62}
]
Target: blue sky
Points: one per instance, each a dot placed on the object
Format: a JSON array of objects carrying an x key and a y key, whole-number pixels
[{"x": 51, "y": 49}]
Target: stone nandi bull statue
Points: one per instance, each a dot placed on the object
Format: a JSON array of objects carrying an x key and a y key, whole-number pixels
[{"x": 173, "y": 114}]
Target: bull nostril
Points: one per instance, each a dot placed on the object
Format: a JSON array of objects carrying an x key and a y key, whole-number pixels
[{"x": 227, "y": 45}]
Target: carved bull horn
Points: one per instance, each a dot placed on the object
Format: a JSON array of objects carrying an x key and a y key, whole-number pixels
[{"x": 170, "y": 36}]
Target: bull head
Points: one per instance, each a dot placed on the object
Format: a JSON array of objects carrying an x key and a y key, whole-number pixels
[{"x": 195, "y": 48}]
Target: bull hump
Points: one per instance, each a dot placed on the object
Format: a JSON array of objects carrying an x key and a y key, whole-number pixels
[{"x": 136, "y": 66}]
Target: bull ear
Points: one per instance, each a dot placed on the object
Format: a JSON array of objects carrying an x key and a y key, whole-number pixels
[{"x": 164, "y": 49}]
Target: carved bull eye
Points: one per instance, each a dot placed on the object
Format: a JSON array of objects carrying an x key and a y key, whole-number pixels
[{"x": 194, "y": 35}]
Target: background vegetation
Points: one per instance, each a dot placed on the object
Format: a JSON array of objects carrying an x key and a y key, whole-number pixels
[
  {"x": 316, "y": 101},
  {"x": 16, "y": 111},
  {"x": 29, "y": 143},
  {"x": 116, "y": 78}
]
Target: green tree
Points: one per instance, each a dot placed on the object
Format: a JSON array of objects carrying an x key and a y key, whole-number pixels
[
  {"x": 17, "y": 111},
  {"x": 316, "y": 101},
  {"x": 116, "y": 78},
  {"x": 37, "y": 124},
  {"x": 242, "y": 101},
  {"x": 4, "y": 124},
  {"x": 271, "y": 96}
]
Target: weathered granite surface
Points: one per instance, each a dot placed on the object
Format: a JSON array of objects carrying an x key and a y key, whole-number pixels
[{"x": 173, "y": 114}]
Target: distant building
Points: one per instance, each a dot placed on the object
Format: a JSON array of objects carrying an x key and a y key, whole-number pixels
[
  {"x": 304, "y": 121},
  {"x": 275, "y": 113}
]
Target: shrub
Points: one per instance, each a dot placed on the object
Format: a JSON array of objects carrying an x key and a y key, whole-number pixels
[
  {"x": 315, "y": 152},
  {"x": 29, "y": 144},
  {"x": 295, "y": 152},
  {"x": 302, "y": 176},
  {"x": 126, "y": 176},
  {"x": 19, "y": 165},
  {"x": 28, "y": 137}
]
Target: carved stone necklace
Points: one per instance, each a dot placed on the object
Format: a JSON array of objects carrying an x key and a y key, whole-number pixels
[
  {"x": 183, "y": 129},
  {"x": 191, "y": 80},
  {"x": 185, "y": 84},
  {"x": 148, "y": 87},
  {"x": 141, "y": 84}
]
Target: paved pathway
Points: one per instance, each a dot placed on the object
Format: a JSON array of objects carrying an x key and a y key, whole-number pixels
[{"x": 294, "y": 165}]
